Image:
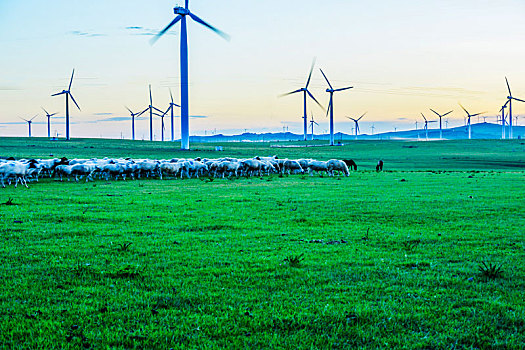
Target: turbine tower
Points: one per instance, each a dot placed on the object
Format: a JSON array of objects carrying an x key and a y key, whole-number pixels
[
  {"x": 502, "y": 110},
  {"x": 426, "y": 125},
  {"x": 312, "y": 122},
  {"x": 181, "y": 13},
  {"x": 468, "y": 121},
  {"x": 440, "y": 124},
  {"x": 48, "y": 122},
  {"x": 356, "y": 121},
  {"x": 152, "y": 110},
  {"x": 330, "y": 109},
  {"x": 29, "y": 121},
  {"x": 305, "y": 92},
  {"x": 68, "y": 95},
  {"x": 133, "y": 115},
  {"x": 509, "y": 102}
]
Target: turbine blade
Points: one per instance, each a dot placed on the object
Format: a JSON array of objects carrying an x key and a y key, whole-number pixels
[
  {"x": 447, "y": 113},
  {"x": 310, "y": 75},
  {"x": 220, "y": 32},
  {"x": 473, "y": 115},
  {"x": 73, "y": 99},
  {"x": 162, "y": 32},
  {"x": 289, "y": 93},
  {"x": 362, "y": 116},
  {"x": 326, "y": 79},
  {"x": 150, "y": 98},
  {"x": 158, "y": 110},
  {"x": 517, "y": 99},
  {"x": 424, "y": 117},
  {"x": 171, "y": 96},
  {"x": 174, "y": 104},
  {"x": 508, "y": 86},
  {"x": 464, "y": 109},
  {"x": 59, "y": 93},
  {"x": 341, "y": 89},
  {"x": 435, "y": 112},
  {"x": 44, "y": 110},
  {"x": 130, "y": 111},
  {"x": 50, "y": 115},
  {"x": 328, "y": 109},
  {"x": 313, "y": 98},
  {"x": 71, "y": 81}
]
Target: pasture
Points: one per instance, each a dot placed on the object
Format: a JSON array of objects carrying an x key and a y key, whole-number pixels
[{"x": 373, "y": 260}]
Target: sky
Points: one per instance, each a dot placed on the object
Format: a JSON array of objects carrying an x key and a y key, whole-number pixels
[{"x": 401, "y": 57}]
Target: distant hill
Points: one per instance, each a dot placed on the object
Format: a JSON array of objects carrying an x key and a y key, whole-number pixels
[{"x": 479, "y": 131}]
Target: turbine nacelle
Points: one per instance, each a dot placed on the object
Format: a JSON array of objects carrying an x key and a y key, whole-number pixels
[{"x": 181, "y": 11}]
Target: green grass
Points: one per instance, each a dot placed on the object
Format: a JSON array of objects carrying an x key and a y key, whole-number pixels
[{"x": 381, "y": 260}]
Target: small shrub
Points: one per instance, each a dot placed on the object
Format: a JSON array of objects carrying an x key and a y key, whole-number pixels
[
  {"x": 490, "y": 270},
  {"x": 294, "y": 260},
  {"x": 121, "y": 247}
]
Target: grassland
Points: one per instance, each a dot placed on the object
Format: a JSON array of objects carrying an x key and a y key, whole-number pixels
[{"x": 375, "y": 260}]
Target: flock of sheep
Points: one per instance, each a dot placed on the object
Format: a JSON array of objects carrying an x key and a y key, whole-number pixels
[{"x": 23, "y": 170}]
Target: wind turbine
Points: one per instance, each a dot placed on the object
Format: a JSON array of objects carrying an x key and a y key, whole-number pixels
[
  {"x": 48, "y": 122},
  {"x": 151, "y": 109},
  {"x": 468, "y": 121},
  {"x": 502, "y": 110},
  {"x": 133, "y": 115},
  {"x": 509, "y": 102},
  {"x": 181, "y": 13},
  {"x": 426, "y": 125},
  {"x": 440, "y": 125},
  {"x": 356, "y": 121},
  {"x": 330, "y": 109},
  {"x": 305, "y": 92},
  {"x": 29, "y": 121},
  {"x": 312, "y": 122},
  {"x": 172, "y": 104},
  {"x": 68, "y": 95}
]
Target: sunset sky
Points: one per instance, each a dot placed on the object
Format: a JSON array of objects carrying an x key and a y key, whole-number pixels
[{"x": 402, "y": 57}]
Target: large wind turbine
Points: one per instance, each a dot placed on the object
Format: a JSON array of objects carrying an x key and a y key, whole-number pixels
[
  {"x": 181, "y": 13},
  {"x": 426, "y": 125},
  {"x": 509, "y": 102},
  {"x": 312, "y": 122},
  {"x": 468, "y": 121},
  {"x": 29, "y": 121},
  {"x": 305, "y": 92},
  {"x": 356, "y": 121},
  {"x": 133, "y": 115},
  {"x": 68, "y": 95},
  {"x": 440, "y": 125},
  {"x": 330, "y": 109},
  {"x": 48, "y": 122}
]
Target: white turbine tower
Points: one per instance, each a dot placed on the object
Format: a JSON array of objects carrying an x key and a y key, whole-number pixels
[
  {"x": 330, "y": 109},
  {"x": 29, "y": 121},
  {"x": 133, "y": 115},
  {"x": 426, "y": 125},
  {"x": 502, "y": 110},
  {"x": 48, "y": 122},
  {"x": 440, "y": 124},
  {"x": 181, "y": 13},
  {"x": 68, "y": 95},
  {"x": 305, "y": 92},
  {"x": 356, "y": 121},
  {"x": 509, "y": 102},
  {"x": 469, "y": 125}
]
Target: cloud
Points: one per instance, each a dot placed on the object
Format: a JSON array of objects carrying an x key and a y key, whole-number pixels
[
  {"x": 9, "y": 88},
  {"x": 104, "y": 113},
  {"x": 402, "y": 118},
  {"x": 113, "y": 119},
  {"x": 85, "y": 34},
  {"x": 136, "y": 30}
]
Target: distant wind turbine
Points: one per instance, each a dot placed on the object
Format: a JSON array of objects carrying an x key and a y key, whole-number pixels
[
  {"x": 373, "y": 128},
  {"x": 48, "y": 122},
  {"x": 440, "y": 124},
  {"x": 170, "y": 108},
  {"x": 356, "y": 121},
  {"x": 68, "y": 95},
  {"x": 29, "y": 121},
  {"x": 312, "y": 122},
  {"x": 305, "y": 92},
  {"x": 152, "y": 110},
  {"x": 426, "y": 125},
  {"x": 330, "y": 109},
  {"x": 181, "y": 13},
  {"x": 509, "y": 102},
  {"x": 133, "y": 115},
  {"x": 469, "y": 125}
]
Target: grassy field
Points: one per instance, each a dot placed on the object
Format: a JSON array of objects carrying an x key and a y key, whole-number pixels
[{"x": 373, "y": 260}]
